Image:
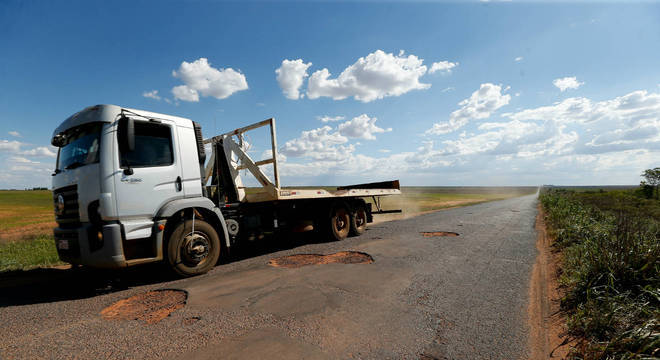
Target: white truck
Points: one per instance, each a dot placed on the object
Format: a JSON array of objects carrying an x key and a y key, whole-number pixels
[{"x": 132, "y": 187}]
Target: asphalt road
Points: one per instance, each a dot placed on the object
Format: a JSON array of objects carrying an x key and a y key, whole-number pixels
[{"x": 459, "y": 297}]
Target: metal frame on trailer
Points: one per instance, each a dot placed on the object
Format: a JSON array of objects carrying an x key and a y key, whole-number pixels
[{"x": 237, "y": 159}]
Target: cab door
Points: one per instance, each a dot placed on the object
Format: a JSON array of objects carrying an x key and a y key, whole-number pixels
[{"x": 148, "y": 177}]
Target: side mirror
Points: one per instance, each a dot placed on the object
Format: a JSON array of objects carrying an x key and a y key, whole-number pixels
[
  {"x": 58, "y": 140},
  {"x": 126, "y": 134}
]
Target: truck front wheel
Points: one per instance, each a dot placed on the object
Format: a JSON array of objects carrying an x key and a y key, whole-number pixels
[
  {"x": 191, "y": 253},
  {"x": 340, "y": 223}
]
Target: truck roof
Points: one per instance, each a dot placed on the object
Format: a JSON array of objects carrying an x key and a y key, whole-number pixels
[{"x": 110, "y": 113}]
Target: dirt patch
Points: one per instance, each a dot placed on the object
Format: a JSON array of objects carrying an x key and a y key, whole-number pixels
[
  {"x": 546, "y": 323},
  {"x": 27, "y": 232},
  {"x": 438, "y": 233},
  {"x": 343, "y": 257},
  {"x": 150, "y": 307}
]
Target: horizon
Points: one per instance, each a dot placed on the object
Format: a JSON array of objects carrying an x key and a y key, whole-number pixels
[{"x": 485, "y": 94}]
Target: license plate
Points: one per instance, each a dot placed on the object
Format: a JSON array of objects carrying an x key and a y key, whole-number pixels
[{"x": 63, "y": 244}]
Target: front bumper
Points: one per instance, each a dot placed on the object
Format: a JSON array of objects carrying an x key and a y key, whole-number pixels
[{"x": 81, "y": 246}]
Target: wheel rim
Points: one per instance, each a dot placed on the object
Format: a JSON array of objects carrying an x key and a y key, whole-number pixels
[
  {"x": 361, "y": 218},
  {"x": 195, "y": 248},
  {"x": 341, "y": 221}
]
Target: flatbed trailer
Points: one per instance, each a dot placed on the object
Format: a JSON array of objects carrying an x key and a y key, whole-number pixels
[{"x": 270, "y": 208}]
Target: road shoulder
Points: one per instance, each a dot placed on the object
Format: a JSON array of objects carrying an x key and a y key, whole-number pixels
[{"x": 546, "y": 322}]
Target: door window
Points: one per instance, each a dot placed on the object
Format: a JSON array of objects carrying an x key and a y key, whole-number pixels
[{"x": 153, "y": 146}]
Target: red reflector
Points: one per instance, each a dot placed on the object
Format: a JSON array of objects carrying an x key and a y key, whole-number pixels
[{"x": 161, "y": 227}]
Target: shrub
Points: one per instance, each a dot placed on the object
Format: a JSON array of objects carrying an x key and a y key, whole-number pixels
[{"x": 610, "y": 269}]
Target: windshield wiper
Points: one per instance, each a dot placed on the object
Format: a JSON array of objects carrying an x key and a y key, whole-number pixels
[{"x": 74, "y": 165}]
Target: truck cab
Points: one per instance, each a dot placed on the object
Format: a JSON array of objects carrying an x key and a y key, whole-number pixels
[{"x": 120, "y": 174}]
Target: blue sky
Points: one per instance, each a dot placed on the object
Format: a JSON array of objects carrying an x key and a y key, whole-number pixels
[{"x": 520, "y": 94}]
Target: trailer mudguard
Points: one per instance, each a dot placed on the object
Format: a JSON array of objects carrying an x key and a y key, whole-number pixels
[{"x": 174, "y": 206}]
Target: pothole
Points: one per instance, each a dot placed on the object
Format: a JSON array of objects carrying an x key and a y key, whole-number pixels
[
  {"x": 150, "y": 307},
  {"x": 343, "y": 257},
  {"x": 438, "y": 233},
  {"x": 191, "y": 320}
]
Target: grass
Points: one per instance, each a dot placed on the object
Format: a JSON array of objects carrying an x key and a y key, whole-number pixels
[
  {"x": 27, "y": 254},
  {"x": 21, "y": 210},
  {"x": 610, "y": 270},
  {"x": 26, "y": 225}
]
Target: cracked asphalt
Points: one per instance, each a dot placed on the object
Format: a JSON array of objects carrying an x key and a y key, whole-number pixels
[{"x": 462, "y": 297}]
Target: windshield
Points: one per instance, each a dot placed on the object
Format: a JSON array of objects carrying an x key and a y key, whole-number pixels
[{"x": 81, "y": 146}]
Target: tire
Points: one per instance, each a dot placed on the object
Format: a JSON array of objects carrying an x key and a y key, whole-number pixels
[
  {"x": 339, "y": 224},
  {"x": 358, "y": 220},
  {"x": 191, "y": 254}
]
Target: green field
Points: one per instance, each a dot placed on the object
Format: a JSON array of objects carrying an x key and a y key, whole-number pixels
[{"x": 27, "y": 220}]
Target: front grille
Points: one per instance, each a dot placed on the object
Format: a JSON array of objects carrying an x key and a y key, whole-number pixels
[{"x": 70, "y": 217}]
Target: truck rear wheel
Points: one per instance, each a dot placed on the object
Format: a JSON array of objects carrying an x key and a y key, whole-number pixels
[
  {"x": 358, "y": 220},
  {"x": 340, "y": 223},
  {"x": 193, "y": 253}
]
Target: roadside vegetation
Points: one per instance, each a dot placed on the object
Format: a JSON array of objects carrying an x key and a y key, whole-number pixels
[{"x": 610, "y": 269}]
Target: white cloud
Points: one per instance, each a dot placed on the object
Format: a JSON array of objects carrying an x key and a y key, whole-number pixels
[
  {"x": 319, "y": 144},
  {"x": 15, "y": 134},
  {"x": 200, "y": 78},
  {"x": 290, "y": 76},
  {"x": 183, "y": 92},
  {"x": 569, "y": 82},
  {"x": 480, "y": 105},
  {"x": 448, "y": 89},
  {"x": 153, "y": 94},
  {"x": 375, "y": 76},
  {"x": 21, "y": 160},
  {"x": 361, "y": 127},
  {"x": 627, "y": 109},
  {"x": 10, "y": 146},
  {"x": 39, "y": 151},
  {"x": 518, "y": 59},
  {"x": 327, "y": 118},
  {"x": 444, "y": 67}
]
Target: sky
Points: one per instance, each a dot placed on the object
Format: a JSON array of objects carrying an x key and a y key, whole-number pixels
[{"x": 431, "y": 93}]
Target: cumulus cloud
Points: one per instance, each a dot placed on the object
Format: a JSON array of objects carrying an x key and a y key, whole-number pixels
[
  {"x": 566, "y": 83},
  {"x": 480, "y": 105},
  {"x": 153, "y": 94},
  {"x": 518, "y": 59},
  {"x": 39, "y": 151},
  {"x": 578, "y": 141},
  {"x": 290, "y": 76},
  {"x": 327, "y": 118},
  {"x": 183, "y": 92},
  {"x": 361, "y": 127},
  {"x": 10, "y": 146},
  {"x": 375, "y": 76},
  {"x": 15, "y": 134},
  {"x": 200, "y": 78},
  {"x": 629, "y": 109},
  {"x": 319, "y": 144},
  {"x": 21, "y": 160},
  {"x": 444, "y": 67}
]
